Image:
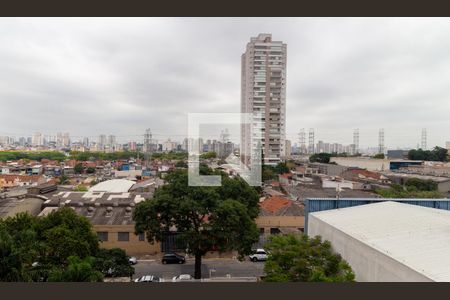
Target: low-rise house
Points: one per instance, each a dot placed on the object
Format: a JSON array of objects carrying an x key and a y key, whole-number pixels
[
  {"x": 10, "y": 181},
  {"x": 365, "y": 176},
  {"x": 328, "y": 169},
  {"x": 338, "y": 183},
  {"x": 279, "y": 214},
  {"x": 284, "y": 179}
]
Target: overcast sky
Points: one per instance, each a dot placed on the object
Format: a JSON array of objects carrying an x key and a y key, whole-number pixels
[{"x": 121, "y": 76}]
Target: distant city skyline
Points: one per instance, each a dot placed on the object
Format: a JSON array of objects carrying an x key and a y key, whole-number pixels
[{"x": 118, "y": 77}]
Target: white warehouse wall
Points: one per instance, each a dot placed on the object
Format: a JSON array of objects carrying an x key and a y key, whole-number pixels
[{"x": 369, "y": 264}]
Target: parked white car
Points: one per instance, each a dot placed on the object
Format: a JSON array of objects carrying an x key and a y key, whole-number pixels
[
  {"x": 148, "y": 278},
  {"x": 182, "y": 277},
  {"x": 259, "y": 255},
  {"x": 132, "y": 260}
]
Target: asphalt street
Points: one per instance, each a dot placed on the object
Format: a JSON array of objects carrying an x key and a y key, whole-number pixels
[{"x": 213, "y": 267}]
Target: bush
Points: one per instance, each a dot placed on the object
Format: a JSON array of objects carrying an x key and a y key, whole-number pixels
[{"x": 296, "y": 258}]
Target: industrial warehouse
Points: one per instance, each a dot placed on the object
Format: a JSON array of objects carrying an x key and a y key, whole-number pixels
[{"x": 388, "y": 241}]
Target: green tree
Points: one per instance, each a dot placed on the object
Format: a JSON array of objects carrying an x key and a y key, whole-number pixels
[
  {"x": 113, "y": 262},
  {"x": 296, "y": 258},
  {"x": 417, "y": 184},
  {"x": 11, "y": 266},
  {"x": 379, "y": 156},
  {"x": 281, "y": 168},
  {"x": 414, "y": 189},
  {"x": 78, "y": 169},
  {"x": 77, "y": 270},
  {"x": 181, "y": 164},
  {"x": 67, "y": 234},
  {"x": 268, "y": 173},
  {"x": 320, "y": 158},
  {"x": 80, "y": 188},
  {"x": 204, "y": 217},
  {"x": 207, "y": 155},
  {"x": 49, "y": 241},
  {"x": 437, "y": 154},
  {"x": 63, "y": 179},
  {"x": 90, "y": 170}
]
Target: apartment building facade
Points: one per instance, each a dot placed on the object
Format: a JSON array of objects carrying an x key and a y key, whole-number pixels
[{"x": 263, "y": 93}]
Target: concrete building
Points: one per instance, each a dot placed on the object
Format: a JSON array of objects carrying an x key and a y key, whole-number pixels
[
  {"x": 279, "y": 214},
  {"x": 397, "y": 154},
  {"x": 443, "y": 183},
  {"x": 410, "y": 244},
  {"x": 372, "y": 164},
  {"x": 329, "y": 169},
  {"x": 110, "y": 215},
  {"x": 62, "y": 140},
  {"x": 38, "y": 139},
  {"x": 314, "y": 202},
  {"x": 288, "y": 150},
  {"x": 101, "y": 142},
  {"x": 8, "y": 181},
  {"x": 263, "y": 90},
  {"x": 113, "y": 186},
  {"x": 363, "y": 163},
  {"x": 9, "y": 207},
  {"x": 169, "y": 145}
]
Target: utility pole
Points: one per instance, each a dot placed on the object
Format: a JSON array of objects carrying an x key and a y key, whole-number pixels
[
  {"x": 147, "y": 146},
  {"x": 302, "y": 141},
  {"x": 424, "y": 139},
  {"x": 311, "y": 141},
  {"x": 356, "y": 141},
  {"x": 381, "y": 141}
]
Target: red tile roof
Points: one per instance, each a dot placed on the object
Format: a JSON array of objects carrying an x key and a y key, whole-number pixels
[
  {"x": 275, "y": 203},
  {"x": 365, "y": 173},
  {"x": 21, "y": 178},
  {"x": 286, "y": 175}
]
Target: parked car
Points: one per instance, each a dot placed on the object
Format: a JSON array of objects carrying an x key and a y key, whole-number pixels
[
  {"x": 259, "y": 255},
  {"x": 173, "y": 258},
  {"x": 148, "y": 278},
  {"x": 132, "y": 260},
  {"x": 182, "y": 277},
  {"x": 36, "y": 264}
]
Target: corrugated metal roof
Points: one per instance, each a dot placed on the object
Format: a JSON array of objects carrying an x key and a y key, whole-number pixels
[
  {"x": 113, "y": 186},
  {"x": 416, "y": 236}
]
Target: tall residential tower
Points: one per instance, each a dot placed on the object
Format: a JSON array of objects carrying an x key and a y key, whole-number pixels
[{"x": 263, "y": 91}]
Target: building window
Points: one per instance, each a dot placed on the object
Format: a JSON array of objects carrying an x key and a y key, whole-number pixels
[
  {"x": 261, "y": 231},
  {"x": 102, "y": 236},
  {"x": 123, "y": 236},
  {"x": 274, "y": 231},
  {"x": 141, "y": 237}
]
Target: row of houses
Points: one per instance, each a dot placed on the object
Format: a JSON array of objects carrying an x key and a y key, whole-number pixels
[{"x": 109, "y": 207}]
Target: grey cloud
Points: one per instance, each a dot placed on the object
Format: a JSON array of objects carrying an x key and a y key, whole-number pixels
[{"x": 120, "y": 76}]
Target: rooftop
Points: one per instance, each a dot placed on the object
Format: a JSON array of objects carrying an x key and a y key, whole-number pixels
[
  {"x": 412, "y": 175},
  {"x": 113, "y": 186},
  {"x": 280, "y": 206},
  {"x": 99, "y": 207},
  {"x": 418, "y": 237},
  {"x": 11, "y": 206}
]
